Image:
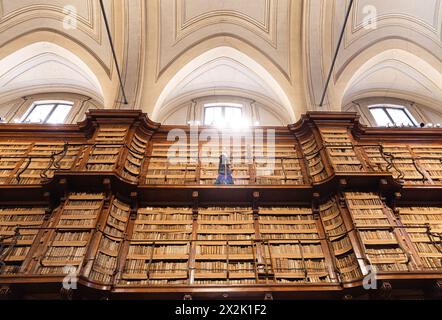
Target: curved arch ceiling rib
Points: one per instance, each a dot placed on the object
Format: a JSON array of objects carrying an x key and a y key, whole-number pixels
[
  {"x": 221, "y": 69},
  {"x": 46, "y": 67},
  {"x": 409, "y": 25},
  {"x": 396, "y": 73}
]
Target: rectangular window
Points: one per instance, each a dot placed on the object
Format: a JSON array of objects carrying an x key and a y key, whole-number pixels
[
  {"x": 392, "y": 115},
  {"x": 223, "y": 116},
  {"x": 52, "y": 113}
]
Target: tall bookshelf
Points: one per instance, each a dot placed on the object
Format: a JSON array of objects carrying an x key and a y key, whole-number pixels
[
  {"x": 108, "y": 144},
  {"x": 224, "y": 251},
  {"x": 313, "y": 158},
  {"x": 72, "y": 230},
  {"x": 292, "y": 247},
  {"x": 13, "y": 153},
  {"x": 397, "y": 159},
  {"x": 106, "y": 198},
  {"x": 428, "y": 158},
  {"x": 282, "y": 169},
  {"x": 346, "y": 261},
  {"x": 105, "y": 265},
  {"x": 172, "y": 165},
  {"x": 159, "y": 248},
  {"x": 135, "y": 158},
  {"x": 382, "y": 248},
  {"x": 424, "y": 226},
  {"x": 341, "y": 150},
  {"x": 19, "y": 227},
  {"x": 44, "y": 159}
]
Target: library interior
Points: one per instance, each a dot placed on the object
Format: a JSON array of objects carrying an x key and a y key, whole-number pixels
[{"x": 205, "y": 149}]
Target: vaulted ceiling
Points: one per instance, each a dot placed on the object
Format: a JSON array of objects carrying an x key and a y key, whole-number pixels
[{"x": 277, "y": 52}]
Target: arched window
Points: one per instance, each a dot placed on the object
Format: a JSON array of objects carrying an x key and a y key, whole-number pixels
[
  {"x": 391, "y": 115},
  {"x": 52, "y": 112},
  {"x": 223, "y": 115}
]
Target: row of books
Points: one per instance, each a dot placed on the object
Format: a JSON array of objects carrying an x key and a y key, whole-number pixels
[
  {"x": 18, "y": 230},
  {"x": 313, "y": 158},
  {"x": 158, "y": 250},
  {"x": 222, "y": 250},
  {"x": 344, "y": 256},
  {"x": 66, "y": 246},
  {"x": 340, "y": 150},
  {"x": 104, "y": 267},
  {"x": 382, "y": 247},
  {"x": 135, "y": 156},
  {"x": 29, "y": 163},
  {"x": 299, "y": 250}
]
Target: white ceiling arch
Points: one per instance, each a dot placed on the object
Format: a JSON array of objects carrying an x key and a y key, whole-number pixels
[
  {"x": 398, "y": 74},
  {"x": 46, "y": 67},
  {"x": 392, "y": 67},
  {"x": 220, "y": 69},
  {"x": 410, "y": 25}
]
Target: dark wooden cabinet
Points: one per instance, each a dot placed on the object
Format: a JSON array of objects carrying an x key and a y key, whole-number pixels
[{"x": 316, "y": 209}]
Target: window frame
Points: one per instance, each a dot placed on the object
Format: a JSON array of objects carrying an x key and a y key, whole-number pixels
[
  {"x": 55, "y": 105},
  {"x": 223, "y": 107},
  {"x": 385, "y": 107}
]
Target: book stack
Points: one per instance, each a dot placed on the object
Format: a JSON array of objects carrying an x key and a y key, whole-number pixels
[
  {"x": 381, "y": 245},
  {"x": 294, "y": 246},
  {"x": 345, "y": 258},
  {"x": 156, "y": 263},
  {"x": 402, "y": 164},
  {"x": 340, "y": 149},
  {"x": 155, "y": 223},
  {"x": 209, "y": 166},
  {"x": 104, "y": 267},
  {"x": 225, "y": 252},
  {"x": 313, "y": 158},
  {"x": 68, "y": 242},
  {"x": 288, "y": 223},
  {"x": 160, "y": 247},
  {"x": 424, "y": 225},
  {"x": 282, "y": 169},
  {"x": 134, "y": 160},
  {"x": 172, "y": 164},
  {"x": 108, "y": 146},
  {"x": 12, "y": 154},
  {"x": 18, "y": 228},
  {"x": 44, "y": 159},
  {"x": 429, "y": 158}
]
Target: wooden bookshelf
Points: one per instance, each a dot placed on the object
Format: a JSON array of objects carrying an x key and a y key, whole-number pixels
[
  {"x": 382, "y": 247},
  {"x": 312, "y": 155},
  {"x": 105, "y": 264},
  {"x": 341, "y": 150},
  {"x": 159, "y": 249},
  {"x": 106, "y": 149},
  {"x": 19, "y": 227},
  {"x": 224, "y": 250},
  {"x": 292, "y": 248},
  {"x": 345, "y": 258},
  {"x": 424, "y": 227},
  {"x": 135, "y": 158},
  {"x": 71, "y": 233},
  {"x": 104, "y": 197}
]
